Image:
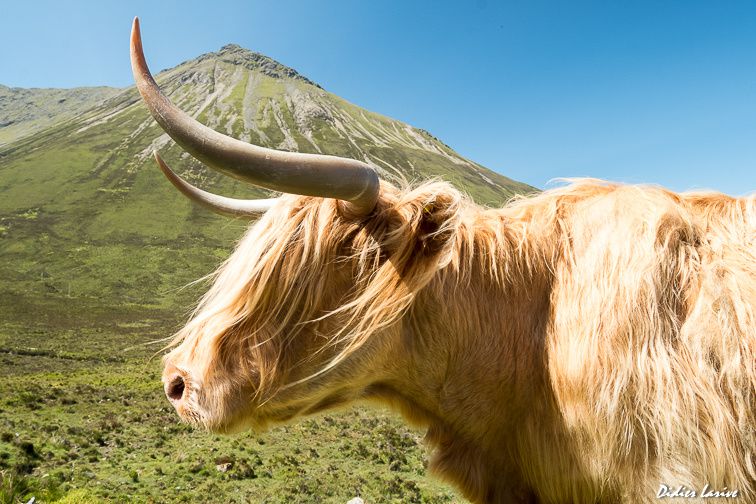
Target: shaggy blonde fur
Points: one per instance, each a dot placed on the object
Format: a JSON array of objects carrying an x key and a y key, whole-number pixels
[{"x": 588, "y": 344}]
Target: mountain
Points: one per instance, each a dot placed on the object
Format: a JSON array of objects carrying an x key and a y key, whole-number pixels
[
  {"x": 98, "y": 253},
  {"x": 86, "y": 216},
  {"x": 24, "y": 111}
]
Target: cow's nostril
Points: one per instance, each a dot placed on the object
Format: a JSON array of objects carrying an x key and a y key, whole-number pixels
[{"x": 175, "y": 389}]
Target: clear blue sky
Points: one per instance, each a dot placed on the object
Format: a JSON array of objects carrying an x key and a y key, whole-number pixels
[{"x": 657, "y": 91}]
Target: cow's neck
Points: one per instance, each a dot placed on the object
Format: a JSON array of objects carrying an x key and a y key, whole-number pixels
[{"x": 470, "y": 362}]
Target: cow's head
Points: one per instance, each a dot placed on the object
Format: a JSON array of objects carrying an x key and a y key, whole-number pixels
[{"x": 307, "y": 312}]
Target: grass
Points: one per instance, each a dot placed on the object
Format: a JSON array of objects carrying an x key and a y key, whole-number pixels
[{"x": 104, "y": 431}]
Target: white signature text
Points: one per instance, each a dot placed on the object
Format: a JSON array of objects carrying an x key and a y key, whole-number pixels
[{"x": 706, "y": 492}]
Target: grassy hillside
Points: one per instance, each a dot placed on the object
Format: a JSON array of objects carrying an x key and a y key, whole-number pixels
[
  {"x": 25, "y": 111},
  {"x": 95, "y": 250}
]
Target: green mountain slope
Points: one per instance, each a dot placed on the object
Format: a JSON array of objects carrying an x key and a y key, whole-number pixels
[
  {"x": 24, "y": 111},
  {"x": 84, "y": 194},
  {"x": 96, "y": 249}
]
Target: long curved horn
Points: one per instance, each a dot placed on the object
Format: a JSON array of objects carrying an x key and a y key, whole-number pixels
[
  {"x": 220, "y": 204},
  {"x": 352, "y": 181}
]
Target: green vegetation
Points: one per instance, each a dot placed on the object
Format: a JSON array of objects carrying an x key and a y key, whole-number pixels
[
  {"x": 96, "y": 251},
  {"x": 104, "y": 432}
]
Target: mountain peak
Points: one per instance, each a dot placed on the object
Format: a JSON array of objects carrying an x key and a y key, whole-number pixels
[
  {"x": 232, "y": 48},
  {"x": 238, "y": 55}
]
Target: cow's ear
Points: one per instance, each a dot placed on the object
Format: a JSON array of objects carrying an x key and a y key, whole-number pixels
[{"x": 438, "y": 222}]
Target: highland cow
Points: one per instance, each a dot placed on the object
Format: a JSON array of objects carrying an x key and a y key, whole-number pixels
[{"x": 595, "y": 343}]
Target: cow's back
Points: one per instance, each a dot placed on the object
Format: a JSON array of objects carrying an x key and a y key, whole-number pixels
[{"x": 651, "y": 348}]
